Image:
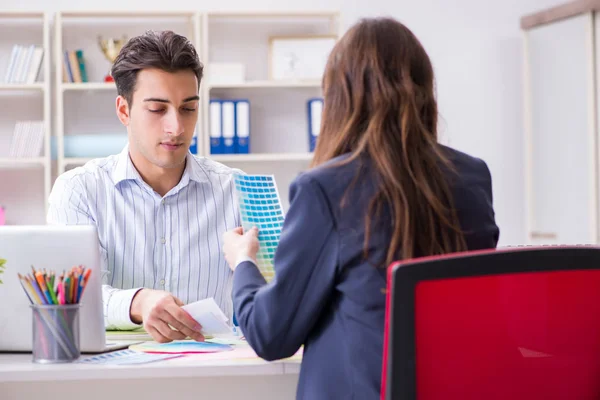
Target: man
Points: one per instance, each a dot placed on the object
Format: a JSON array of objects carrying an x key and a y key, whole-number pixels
[{"x": 159, "y": 210}]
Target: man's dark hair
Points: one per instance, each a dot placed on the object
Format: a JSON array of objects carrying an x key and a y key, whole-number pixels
[{"x": 164, "y": 50}]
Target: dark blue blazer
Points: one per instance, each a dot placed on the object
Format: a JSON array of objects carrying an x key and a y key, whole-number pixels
[{"x": 325, "y": 296}]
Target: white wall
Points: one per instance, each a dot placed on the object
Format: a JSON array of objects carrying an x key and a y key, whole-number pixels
[{"x": 476, "y": 49}]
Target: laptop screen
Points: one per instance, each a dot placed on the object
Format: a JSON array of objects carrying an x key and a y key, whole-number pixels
[{"x": 532, "y": 335}]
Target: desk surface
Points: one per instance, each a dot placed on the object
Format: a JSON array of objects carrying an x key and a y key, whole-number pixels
[{"x": 240, "y": 362}]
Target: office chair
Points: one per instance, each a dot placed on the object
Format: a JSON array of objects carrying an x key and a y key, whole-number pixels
[{"x": 520, "y": 323}]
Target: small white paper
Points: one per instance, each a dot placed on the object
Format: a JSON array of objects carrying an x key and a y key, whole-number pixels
[{"x": 208, "y": 314}]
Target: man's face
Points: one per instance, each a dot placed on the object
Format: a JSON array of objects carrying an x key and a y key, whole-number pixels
[{"x": 162, "y": 117}]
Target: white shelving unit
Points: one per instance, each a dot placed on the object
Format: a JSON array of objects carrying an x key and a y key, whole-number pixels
[
  {"x": 88, "y": 108},
  {"x": 76, "y": 161},
  {"x": 18, "y": 163},
  {"x": 266, "y": 85},
  {"x": 279, "y": 131},
  {"x": 279, "y": 142},
  {"x": 26, "y": 182},
  {"x": 88, "y": 86},
  {"x": 226, "y": 158},
  {"x": 23, "y": 86}
]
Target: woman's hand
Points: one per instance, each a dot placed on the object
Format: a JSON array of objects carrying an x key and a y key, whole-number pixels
[{"x": 238, "y": 245}]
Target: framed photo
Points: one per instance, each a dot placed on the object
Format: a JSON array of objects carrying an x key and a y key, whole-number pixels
[{"x": 299, "y": 57}]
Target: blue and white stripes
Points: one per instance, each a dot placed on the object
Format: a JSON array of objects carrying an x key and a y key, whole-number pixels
[{"x": 170, "y": 243}]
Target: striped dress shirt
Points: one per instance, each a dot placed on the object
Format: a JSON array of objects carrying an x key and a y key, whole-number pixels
[{"x": 170, "y": 243}]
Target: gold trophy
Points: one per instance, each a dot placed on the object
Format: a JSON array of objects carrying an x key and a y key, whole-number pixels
[{"x": 111, "y": 48}]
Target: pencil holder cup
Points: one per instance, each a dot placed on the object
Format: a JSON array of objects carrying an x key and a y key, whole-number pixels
[{"x": 55, "y": 333}]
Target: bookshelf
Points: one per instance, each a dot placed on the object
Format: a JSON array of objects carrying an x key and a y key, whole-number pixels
[
  {"x": 22, "y": 86},
  {"x": 266, "y": 84},
  {"x": 227, "y": 158},
  {"x": 22, "y": 163},
  {"x": 279, "y": 126},
  {"x": 88, "y": 86},
  {"x": 26, "y": 178},
  {"x": 85, "y": 111},
  {"x": 279, "y": 142}
]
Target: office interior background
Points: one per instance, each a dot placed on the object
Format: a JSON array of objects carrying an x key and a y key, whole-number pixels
[{"x": 476, "y": 47}]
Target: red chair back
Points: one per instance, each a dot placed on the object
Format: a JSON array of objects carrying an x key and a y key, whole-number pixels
[{"x": 512, "y": 324}]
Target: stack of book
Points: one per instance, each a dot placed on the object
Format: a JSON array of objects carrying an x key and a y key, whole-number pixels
[
  {"x": 74, "y": 67},
  {"x": 24, "y": 65},
  {"x": 28, "y": 139}
]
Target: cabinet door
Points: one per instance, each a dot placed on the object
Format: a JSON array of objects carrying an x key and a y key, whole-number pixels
[{"x": 561, "y": 147}]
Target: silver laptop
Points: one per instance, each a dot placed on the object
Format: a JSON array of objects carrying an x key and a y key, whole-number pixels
[{"x": 54, "y": 248}]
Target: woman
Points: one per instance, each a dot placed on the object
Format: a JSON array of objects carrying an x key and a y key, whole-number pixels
[{"x": 381, "y": 189}]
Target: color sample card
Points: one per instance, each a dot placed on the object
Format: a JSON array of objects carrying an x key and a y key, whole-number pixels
[
  {"x": 180, "y": 347},
  {"x": 260, "y": 206},
  {"x": 125, "y": 357}
]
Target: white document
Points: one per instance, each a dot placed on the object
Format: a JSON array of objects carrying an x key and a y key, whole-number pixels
[{"x": 208, "y": 314}]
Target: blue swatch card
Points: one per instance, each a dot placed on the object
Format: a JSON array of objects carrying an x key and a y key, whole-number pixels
[{"x": 260, "y": 206}]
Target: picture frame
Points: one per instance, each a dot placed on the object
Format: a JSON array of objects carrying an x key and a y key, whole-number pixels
[{"x": 299, "y": 57}]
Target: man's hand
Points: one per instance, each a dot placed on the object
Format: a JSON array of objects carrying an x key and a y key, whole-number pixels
[
  {"x": 238, "y": 244},
  {"x": 159, "y": 311}
]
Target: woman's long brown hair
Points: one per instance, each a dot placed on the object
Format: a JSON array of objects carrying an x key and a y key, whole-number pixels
[{"x": 379, "y": 102}]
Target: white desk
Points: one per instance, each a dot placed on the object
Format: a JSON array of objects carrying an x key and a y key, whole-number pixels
[{"x": 189, "y": 377}]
